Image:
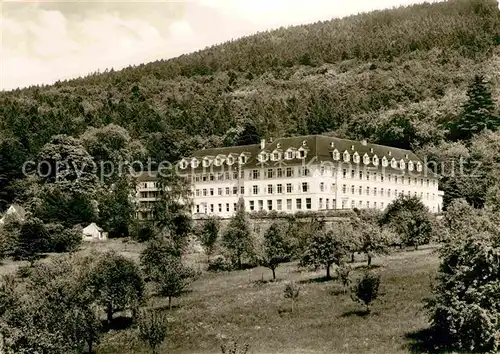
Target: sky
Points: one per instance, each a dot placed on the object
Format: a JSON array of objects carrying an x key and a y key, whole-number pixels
[{"x": 45, "y": 41}]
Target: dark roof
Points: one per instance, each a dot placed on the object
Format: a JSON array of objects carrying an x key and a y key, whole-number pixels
[{"x": 318, "y": 147}]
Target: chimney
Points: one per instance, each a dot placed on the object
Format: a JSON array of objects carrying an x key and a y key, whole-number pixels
[{"x": 262, "y": 144}]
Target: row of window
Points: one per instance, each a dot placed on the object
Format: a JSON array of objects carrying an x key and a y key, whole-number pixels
[
  {"x": 278, "y": 204},
  {"x": 373, "y": 176},
  {"x": 212, "y": 208},
  {"x": 211, "y": 191},
  {"x": 382, "y": 192}
]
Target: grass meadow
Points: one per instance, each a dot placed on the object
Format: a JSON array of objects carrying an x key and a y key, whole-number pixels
[{"x": 246, "y": 307}]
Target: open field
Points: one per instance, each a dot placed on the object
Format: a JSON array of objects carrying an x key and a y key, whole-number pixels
[{"x": 239, "y": 306}]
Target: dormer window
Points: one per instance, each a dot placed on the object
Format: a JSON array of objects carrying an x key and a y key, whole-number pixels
[
  {"x": 375, "y": 160},
  {"x": 347, "y": 156},
  {"x": 242, "y": 160},
  {"x": 278, "y": 145},
  {"x": 206, "y": 162},
  {"x": 410, "y": 166},
  {"x": 304, "y": 143},
  {"x": 371, "y": 150},
  {"x": 301, "y": 154},
  {"x": 336, "y": 155},
  {"x": 355, "y": 157},
  {"x": 352, "y": 147},
  {"x": 218, "y": 161},
  {"x": 419, "y": 167},
  {"x": 332, "y": 144},
  {"x": 394, "y": 163},
  {"x": 289, "y": 155},
  {"x": 230, "y": 160},
  {"x": 384, "y": 161},
  {"x": 366, "y": 159},
  {"x": 389, "y": 153},
  {"x": 263, "y": 156},
  {"x": 194, "y": 163},
  {"x": 406, "y": 156},
  {"x": 183, "y": 164},
  {"x": 402, "y": 164},
  {"x": 276, "y": 156}
]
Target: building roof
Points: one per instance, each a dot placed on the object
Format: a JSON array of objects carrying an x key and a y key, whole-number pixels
[
  {"x": 94, "y": 225},
  {"x": 318, "y": 147}
]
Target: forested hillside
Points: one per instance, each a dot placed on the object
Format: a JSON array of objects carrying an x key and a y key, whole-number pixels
[{"x": 396, "y": 77}]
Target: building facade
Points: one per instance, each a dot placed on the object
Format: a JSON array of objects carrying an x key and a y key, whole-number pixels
[{"x": 307, "y": 173}]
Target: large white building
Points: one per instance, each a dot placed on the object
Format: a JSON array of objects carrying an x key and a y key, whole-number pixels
[{"x": 306, "y": 173}]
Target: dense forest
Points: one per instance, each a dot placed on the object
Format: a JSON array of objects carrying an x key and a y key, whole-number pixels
[{"x": 423, "y": 77}]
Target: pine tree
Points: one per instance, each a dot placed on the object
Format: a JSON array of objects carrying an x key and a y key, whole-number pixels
[{"x": 478, "y": 111}]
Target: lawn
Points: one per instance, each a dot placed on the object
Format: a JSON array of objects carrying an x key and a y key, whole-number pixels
[{"x": 239, "y": 306}]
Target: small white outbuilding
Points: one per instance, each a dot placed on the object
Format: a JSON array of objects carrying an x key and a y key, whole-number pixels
[
  {"x": 14, "y": 210},
  {"x": 94, "y": 233}
]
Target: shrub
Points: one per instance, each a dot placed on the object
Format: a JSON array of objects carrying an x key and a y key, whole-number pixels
[
  {"x": 366, "y": 289},
  {"x": 291, "y": 292},
  {"x": 152, "y": 326},
  {"x": 343, "y": 273},
  {"x": 65, "y": 240},
  {"x": 234, "y": 348},
  {"x": 219, "y": 264}
]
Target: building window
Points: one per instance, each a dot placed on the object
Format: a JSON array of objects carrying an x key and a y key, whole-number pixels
[
  {"x": 197, "y": 208},
  {"x": 235, "y": 206},
  {"x": 367, "y": 176},
  {"x": 289, "y": 155},
  {"x": 360, "y": 174},
  {"x": 367, "y": 190},
  {"x": 212, "y": 177},
  {"x": 279, "y": 188},
  {"x": 204, "y": 192},
  {"x": 289, "y": 188},
  {"x": 211, "y": 191},
  {"x": 322, "y": 187},
  {"x": 211, "y": 208},
  {"x": 269, "y": 205},
  {"x": 305, "y": 187},
  {"x": 252, "y": 205},
  {"x": 220, "y": 208},
  {"x": 288, "y": 204},
  {"x": 242, "y": 190},
  {"x": 289, "y": 172},
  {"x": 375, "y": 191},
  {"x": 261, "y": 205},
  {"x": 227, "y": 207},
  {"x": 344, "y": 189},
  {"x": 375, "y": 205},
  {"x": 381, "y": 178},
  {"x": 360, "y": 204},
  {"x": 279, "y": 205},
  {"x": 269, "y": 189},
  {"x": 320, "y": 204},
  {"x": 219, "y": 191},
  {"x": 305, "y": 171},
  {"x": 367, "y": 203},
  {"x": 353, "y": 204},
  {"x": 279, "y": 173},
  {"x": 360, "y": 190},
  {"x": 308, "y": 204},
  {"x": 352, "y": 190},
  {"x": 270, "y": 173},
  {"x": 381, "y": 192},
  {"x": 344, "y": 204},
  {"x": 227, "y": 191},
  {"x": 255, "y": 190},
  {"x": 255, "y": 174},
  {"x": 327, "y": 204},
  {"x": 298, "y": 203},
  {"x": 197, "y": 192},
  {"x": 344, "y": 173},
  {"x": 235, "y": 190}
]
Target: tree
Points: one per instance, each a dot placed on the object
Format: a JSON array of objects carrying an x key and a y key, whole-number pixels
[
  {"x": 276, "y": 248},
  {"x": 366, "y": 289},
  {"x": 343, "y": 273},
  {"x": 372, "y": 240},
  {"x": 410, "y": 219},
  {"x": 33, "y": 240},
  {"x": 162, "y": 264},
  {"x": 325, "y": 249},
  {"x": 117, "y": 283},
  {"x": 237, "y": 238},
  {"x": 478, "y": 111},
  {"x": 152, "y": 327},
  {"x": 208, "y": 235},
  {"x": 172, "y": 210},
  {"x": 116, "y": 208},
  {"x": 464, "y": 306}
]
